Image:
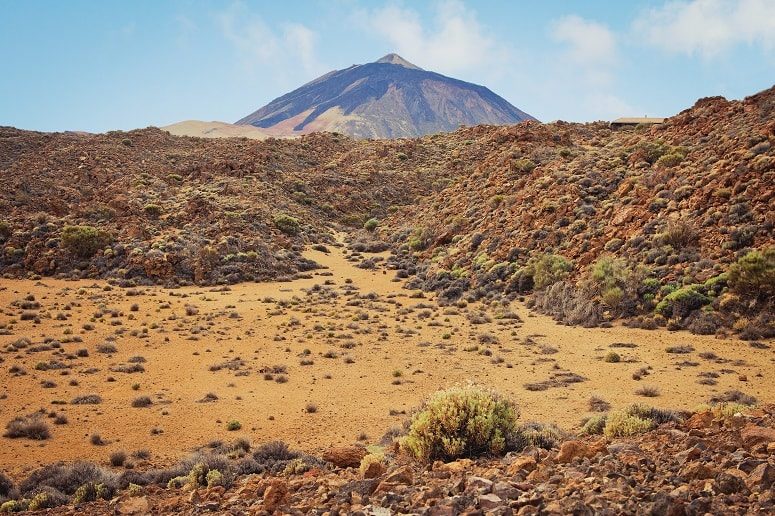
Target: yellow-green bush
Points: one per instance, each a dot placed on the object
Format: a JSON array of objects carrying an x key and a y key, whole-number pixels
[
  {"x": 621, "y": 423},
  {"x": 461, "y": 422},
  {"x": 287, "y": 224},
  {"x": 753, "y": 275},
  {"x": 84, "y": 241},
  {"x": 595, "y": 425}
]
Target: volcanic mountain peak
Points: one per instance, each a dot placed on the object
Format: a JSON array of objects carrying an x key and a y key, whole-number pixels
[
  {"x": 397, "y": 60},
  {"x": 389, "y": 98}
]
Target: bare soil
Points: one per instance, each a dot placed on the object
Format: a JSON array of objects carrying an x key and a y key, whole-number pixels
[{"x": 376, "y": 351}]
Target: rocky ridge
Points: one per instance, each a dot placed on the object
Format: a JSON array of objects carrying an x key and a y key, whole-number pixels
[{"x": 704, "y": 465}]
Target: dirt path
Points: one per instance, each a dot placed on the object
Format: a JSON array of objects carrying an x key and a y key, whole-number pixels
[{"x": 375, "y": 350}]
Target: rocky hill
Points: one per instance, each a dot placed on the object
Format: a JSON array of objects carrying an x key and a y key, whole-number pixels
[
  {"x": 600, "y": 224},
  {"x": 388, "y": 98}
]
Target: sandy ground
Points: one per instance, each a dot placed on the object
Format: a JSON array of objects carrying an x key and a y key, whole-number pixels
[{"x": 376, "y": 352}]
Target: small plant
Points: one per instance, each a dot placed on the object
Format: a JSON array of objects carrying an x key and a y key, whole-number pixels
[
  {"x": 461, "y": 422},
  {"x": 371, "y": 224},
  {"x": 233, "y": 426},
  {"x": 311, "y": 408},
  {"x": 118, "y": 458},
  {"x": 287, "y": 224},
  {"x": 153, "y": 211},
  {"x": 621, "y": 423},
  {"x": 29, "y": 427},
  {"x": 648, "y": 391},
  {"x": 142, "y": 402},
  {"x": 612, "y": 357}
]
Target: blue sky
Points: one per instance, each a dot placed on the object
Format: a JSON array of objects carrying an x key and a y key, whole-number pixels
[{"x": 101, "y": 65}]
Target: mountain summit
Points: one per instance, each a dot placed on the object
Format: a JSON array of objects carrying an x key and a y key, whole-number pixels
[{"x": 389, "y": 98}]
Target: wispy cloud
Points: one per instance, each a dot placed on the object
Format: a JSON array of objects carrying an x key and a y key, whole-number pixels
[
  {"x": 708, "y": 27},
  {"x": 259, "y": 45},
  {"x": 454, "y": 41},
  {"x": 588, "y": 63}
]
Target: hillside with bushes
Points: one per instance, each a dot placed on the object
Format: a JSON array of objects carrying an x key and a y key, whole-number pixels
[{"x": 663, "y": 226}]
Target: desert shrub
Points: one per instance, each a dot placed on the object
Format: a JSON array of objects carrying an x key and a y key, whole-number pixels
[
  {"x": 84, "y": 241},
  {"x": 734, "y": 396},
  {"x": 461, "y": 422},
  {"x": 90, "y": 492},
  {"x": 594, "y": 425},
  {"x": 371, "y": 224},
  {"x": 621, "y": 423},
  {"x": 87, "y": 399},
  {"x": 67, "y": 478},
  {"x": 287, "y": 224},
  {"x": 28, "y": 427},
  {"x": 680, "y": 303},
  {"x": 274, "y": 451},
  {"x": 117, "y": 458},
  {"x": 47, "y": 498},
  {"x": 7, "y": 489},
  {"x": 651, "y": 151},
  {"x": 753, "y": 275},
  {"x": 724, "y": 409},
  {"x": 612, "y": 357},
  {"x": 420, "y": 239},
  {"x": 615, "y": 283},
  {"x": 655, "y": 415},
  {"x": 523, "y": 166},
  {"x": 538, "y": 435},
  {"x": 232, "y": 426},
  {"x": 546, "y": 269},
  {"x": 5, "y": 231},
  {"x": 679, "y": 235},
  {"x": 153, "y": 211},
  {"x": 569, "y": 304},
  {"x": 142, "y": 402},
  {"x": 669, "y": 160},
  {"x": 647, "y": 391}
]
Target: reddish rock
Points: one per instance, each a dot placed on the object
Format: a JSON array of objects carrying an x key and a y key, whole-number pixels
[
  {"x": 275, "y": 494},
  {"x": 345, "y": 456},
  {"x": 753, "y": 434}
]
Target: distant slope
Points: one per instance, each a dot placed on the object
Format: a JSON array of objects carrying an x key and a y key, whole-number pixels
[
  {"x": 389, "y": 98},
  {"x": 203, "y": 129}
]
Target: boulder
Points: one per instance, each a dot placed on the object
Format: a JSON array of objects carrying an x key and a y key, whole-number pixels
[{"x": 345, "y": 456}]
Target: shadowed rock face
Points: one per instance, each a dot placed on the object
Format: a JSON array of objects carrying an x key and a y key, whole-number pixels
[{"x": 386, "y": 99}]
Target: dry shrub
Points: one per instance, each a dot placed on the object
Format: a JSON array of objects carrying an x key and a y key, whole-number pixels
[{"x": 461, "y": 422}]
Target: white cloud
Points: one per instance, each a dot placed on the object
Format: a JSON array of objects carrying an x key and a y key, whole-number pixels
[
  {"x": 708, "y": 27},
  {"x": 454, "y": 42},
  {"x": 258, "y": 44},
  {"x": 583, "y": 73},
  {"x": 589, "y": 43}
]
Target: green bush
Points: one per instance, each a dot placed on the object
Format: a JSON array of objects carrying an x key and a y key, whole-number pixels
[
  {"x": 682, "y": 302},
  {"x": 84, "y": 241},
  {"x": 371, "y": 224},
  {"x": 152, "y": 210},
  {"x": 753, "y": 275},
  {"x": 621, "y": 423},
  {"x": 523, "y": 165},
  {"x": 287, "y": 224},
  {"x": 595, "y": 425},
  {"x": 232, "y": 426},
  {"x": 461, "y": 422},
  {"x": 669, "y": 160},
  {"x": 420, "y": 239},
  {"x": 546, "y": 269}
]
